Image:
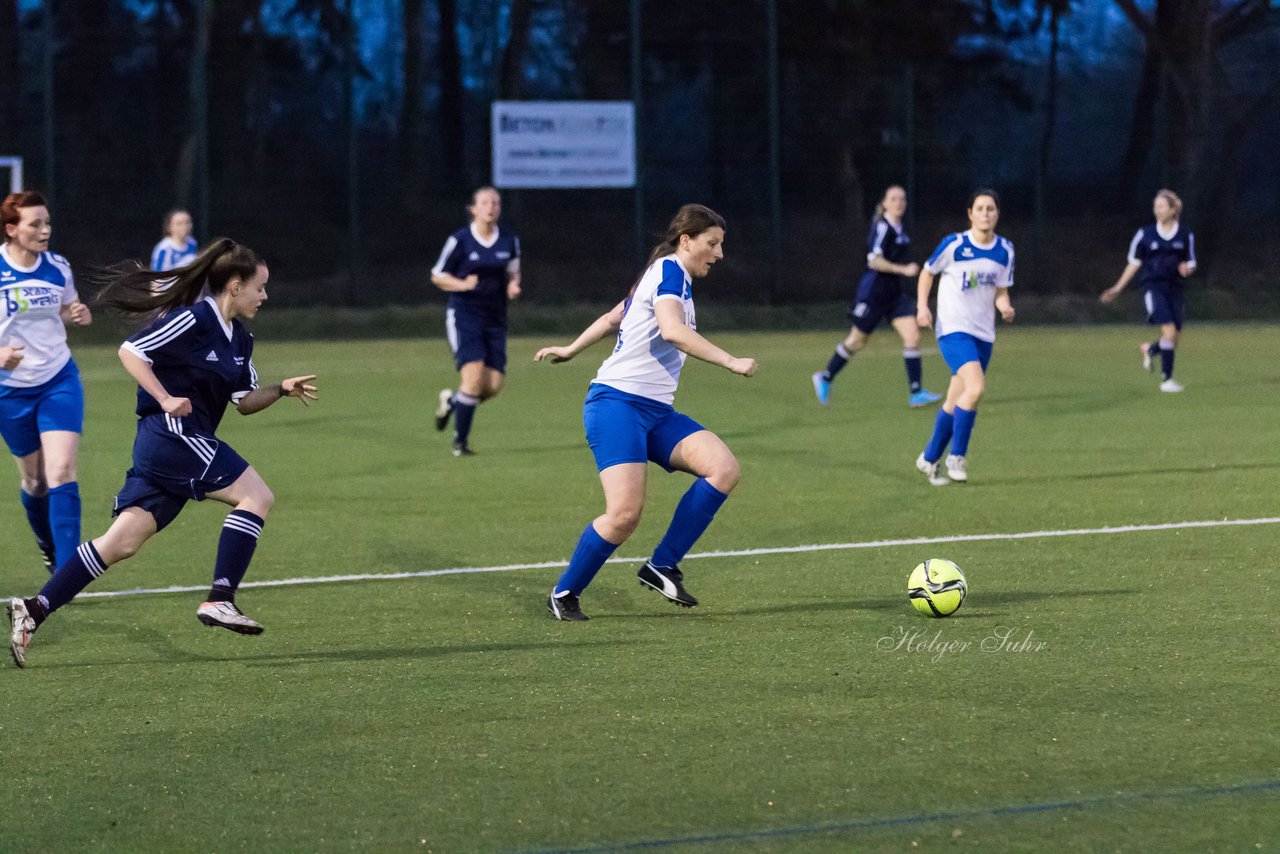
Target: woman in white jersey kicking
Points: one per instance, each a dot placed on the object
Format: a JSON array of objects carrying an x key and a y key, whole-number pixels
[
  {"x": 630, "y": 419},
  {"x": 976, "y": 267}
]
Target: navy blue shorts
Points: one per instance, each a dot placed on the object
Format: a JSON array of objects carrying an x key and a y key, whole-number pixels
[
  {"x": 477, "y": 336},
  {"x": 628, "y": 428},
  {"x": 173, "y": 465},
  {"x": 960, "y": 348},
  {"x": 880, "y": 300},
  {"x": 1164, "y": 305},
  {"x": 25, "y": 413}
]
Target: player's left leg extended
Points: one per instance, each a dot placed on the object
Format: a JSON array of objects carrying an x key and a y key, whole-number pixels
[
  {"x": 252, "y": 500},
  {"x": 909, "y": 331},
  {"x": 973, "y": 384}
]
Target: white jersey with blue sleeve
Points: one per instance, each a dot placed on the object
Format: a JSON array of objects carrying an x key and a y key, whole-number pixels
[
  {"x": 169, "y": 254},
  {"x": 31, "y": 301},
  {"x": 642, "y": 362},
  {"x": 970, "y": 275}
]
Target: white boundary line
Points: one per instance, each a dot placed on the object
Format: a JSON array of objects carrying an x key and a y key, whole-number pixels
[{"x": 825, "y": 547}]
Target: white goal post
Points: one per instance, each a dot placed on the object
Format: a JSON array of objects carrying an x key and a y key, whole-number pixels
[{"x": 14, "y": 167}]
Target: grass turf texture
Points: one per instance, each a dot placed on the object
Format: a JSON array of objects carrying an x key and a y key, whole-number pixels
[{"x": 453, "y": 710}]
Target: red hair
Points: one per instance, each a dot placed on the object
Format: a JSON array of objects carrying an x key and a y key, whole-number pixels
[{"x": 10, "y": 208}]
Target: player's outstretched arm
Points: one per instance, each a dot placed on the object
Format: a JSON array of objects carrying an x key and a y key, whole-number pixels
[
  {"x": 140, "y": 370},
  {"x": 674, "y": 330},
  {"x": 605, "y": 324},
  {"x": 263, "y": 396},
  {"x": 1112, "y": 292}
]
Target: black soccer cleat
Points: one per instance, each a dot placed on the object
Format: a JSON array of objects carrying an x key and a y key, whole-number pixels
[
  {"x": 566, "y": 607},
  {"x": 462, "y": 449},
  {"x": 48, "y": 556},
  {"x": 444, "y": 409},
  {"x": 667, "y": 580}
]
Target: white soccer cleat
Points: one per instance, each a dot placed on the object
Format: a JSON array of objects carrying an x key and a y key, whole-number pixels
[
  {"x": 227, "y": 616},
  {"x": 21, "y": 627},
  {"x": 1171, "y": 386},
  {"x": 930, "y": 470},
  {"x": 957, "y": 468}
]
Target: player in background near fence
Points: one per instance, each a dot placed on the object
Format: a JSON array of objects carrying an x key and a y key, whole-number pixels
[
  {"x": 1165, "y": 252},
  {"x": 976, "y": 269},
  {"x": 191, "y": 360},
  {"x": 41, "y": 398},
  {"x": 177, "y": 248},
  {"x": 479, "y": 268},
  {"x": 882, "y": 293},
  {"x": 630, "y": 420}
]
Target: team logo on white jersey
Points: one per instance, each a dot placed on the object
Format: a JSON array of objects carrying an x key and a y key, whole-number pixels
[
  {"x": 966, "y": 252},
  {"x": 212, "y": 357},
  {"x": 7, "y": 276}
]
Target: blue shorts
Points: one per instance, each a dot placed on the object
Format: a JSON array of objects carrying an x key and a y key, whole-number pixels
[
  {"x": 477, "y": 336},
  {"x": 173, "y": 465},
  {"x": 628, "y": 428},
  {"x": 1164, "y": 305},
  {"x": 961, "y": 348},
  {"x": 879, "y": 300},
  {"x": 25, "y": 413}
]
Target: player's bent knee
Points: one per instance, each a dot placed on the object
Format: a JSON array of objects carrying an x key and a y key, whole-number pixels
[
  {"x": 622, "y": 523},
  {"x": 725, "y": 474}
]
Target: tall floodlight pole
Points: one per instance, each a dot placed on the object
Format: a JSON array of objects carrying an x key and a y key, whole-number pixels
[
  {"x": 637, "y": 90},
  {"x": 775, "y": 152}
]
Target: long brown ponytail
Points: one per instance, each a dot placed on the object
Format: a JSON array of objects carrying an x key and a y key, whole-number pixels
[{"x": 131, "y": 289}]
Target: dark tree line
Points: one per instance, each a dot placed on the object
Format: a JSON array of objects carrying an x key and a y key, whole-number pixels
[{"x": 265, "y": 116}]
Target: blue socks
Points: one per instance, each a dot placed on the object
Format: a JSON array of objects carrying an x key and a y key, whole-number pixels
[
  {"x": 839, "y": 359},
  {"x": 64, "y": 519},
  {"x": 592, "y": 551},
  {"x": 1166, "y": 358},
  {"x": 71, "y": 576},
  {"x": 942, "y": 428},
  {"x": 693, "y": 514},
  {"x": 239, "y": 538},
  {"x": 964, "y": 419},
  {"x": 911, "y": 358},
  {"x": 464, "y": 410},
  {"x": 37, "y": 508}
]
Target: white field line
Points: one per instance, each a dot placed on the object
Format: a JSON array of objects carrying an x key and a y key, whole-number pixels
[{"x": 780, "y": 550}]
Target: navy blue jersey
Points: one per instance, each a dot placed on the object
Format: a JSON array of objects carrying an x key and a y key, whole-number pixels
[
  {"x": 1160, "y": 255},
  {"x": 465, "y": 253},
  {"x": 197, "y": 355},
  {"x": 892, "y": 244}
]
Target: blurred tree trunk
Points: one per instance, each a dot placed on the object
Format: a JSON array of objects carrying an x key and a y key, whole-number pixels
[
  {"x": 10, "y": 77},
  {"x": 412, "y": 119},
  {"x": 451, "y": 134},
  {"x": 511, "y": 72}
]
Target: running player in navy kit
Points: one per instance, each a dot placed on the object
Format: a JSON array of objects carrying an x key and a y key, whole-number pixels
[
  {"x": 193, "y": 359},
  {"x": 1165, "y": 252},
  {"x": 480, "y": 270},
  {"x": 41, "y": 399},
  {"x": 881, "y": 295}
]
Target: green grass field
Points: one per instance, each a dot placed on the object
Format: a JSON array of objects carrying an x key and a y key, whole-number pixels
[{"x": 450, "y": 713}]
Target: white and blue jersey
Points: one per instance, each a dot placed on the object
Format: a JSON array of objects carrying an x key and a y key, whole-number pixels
[
  {"x": 642, "y": 363},
  {"x": 1159, "y": 254},
  {"x": 169, "y": 254},
  {"x": 970, "y": 276},
  {"x": 31, "y": 301}
]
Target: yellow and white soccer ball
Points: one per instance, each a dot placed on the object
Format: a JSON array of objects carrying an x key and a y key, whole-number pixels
[{"x": 937, "y": 588}]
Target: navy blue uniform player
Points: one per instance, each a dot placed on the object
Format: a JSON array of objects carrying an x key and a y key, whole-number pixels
[
  {"x": 193, "y": 359},
  {"x": 480, "y": 270},
  {"x": 1165, "y": 254},
  {"x": 881, "y": 296}
]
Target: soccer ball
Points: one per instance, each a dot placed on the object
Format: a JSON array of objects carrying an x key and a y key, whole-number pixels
[{"x": 937, "y": 588}]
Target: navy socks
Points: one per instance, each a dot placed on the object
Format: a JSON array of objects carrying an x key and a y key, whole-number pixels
[{"x": 236, "y": 545}]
